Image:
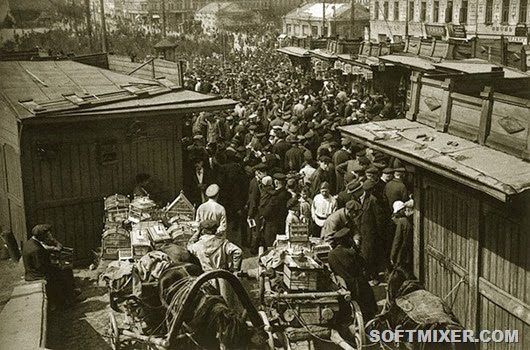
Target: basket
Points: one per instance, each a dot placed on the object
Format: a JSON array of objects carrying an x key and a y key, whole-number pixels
[{"x": 298, "y": 232}]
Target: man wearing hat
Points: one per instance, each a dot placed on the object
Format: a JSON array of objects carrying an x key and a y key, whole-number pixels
[
  {"x": 326, "y": 144},
  {"x": 353, "y": 191},
  {"x": 196, "y": 184},
  {"x": 346, "y": 261},
  {"x": 341, "y": 156},
  {"x": 342, "y": 218},
  {"x": 294, "y": 157},
  {"x": 252, "y": 206},
  {"x": 275, "y": 213},
  {"x": 401, "y": 251},
  {"x": 211, "y": 210},
  {"x": 395, "y": 189},
  {"x": 322, "y": 174},
  {"x": 36, "y": 255},
  {"x": 324, "y": 204},
  {"x": 371, "y": 222},
  {"x": 281, "y": 146},
  {"x": 216, "y": 252}
]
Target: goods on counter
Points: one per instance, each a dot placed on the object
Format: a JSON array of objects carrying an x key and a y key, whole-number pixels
[
  {"x": 140, "y": 242},
  {"x": 182, "y": 231},
  {"x": 156, "y": 230}
]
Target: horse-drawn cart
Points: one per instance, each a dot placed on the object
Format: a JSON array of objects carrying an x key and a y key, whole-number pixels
[
  {"x": 303, "y": 304},
  {"x": 178, "y": 330}
]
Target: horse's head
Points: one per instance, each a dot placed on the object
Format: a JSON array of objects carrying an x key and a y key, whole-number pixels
[{"x": 396, "y": 278}]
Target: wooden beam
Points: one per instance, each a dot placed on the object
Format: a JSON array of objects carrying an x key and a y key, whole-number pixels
[
  {"x": 447, "y": 263},
  {"x": 508, "y": 302},
  {"x": 418, "y": 241},
  {"x": 485, "y": 115},
  {"x": 473, "y": 252},
  {"x": 415, "y": 94},
  {"x": 447, "y": 104}
]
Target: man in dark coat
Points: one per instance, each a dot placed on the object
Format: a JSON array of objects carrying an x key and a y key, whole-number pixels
[
  {"x": 275, "y": 211},
  {"x": 346, "y": 262},
  {"x": 401, "y": 252},
  {"x": 294, "y": 157},
  {"x": 371, "y": 223},
  {"x": 37, "y": 264},
  {"x": 345, "y": 217},
  {"x": 322, "y": 174},
  {"x": 395, "y": 189},
  {"x": 341, "y": 156},
  {"x": 351, "y": 192},
  {"x": 197, "y": 182},
  {"x": 233, "y": 182},
  {"x": 281, "y": 146},
  {"x": 253, "y": 203}
]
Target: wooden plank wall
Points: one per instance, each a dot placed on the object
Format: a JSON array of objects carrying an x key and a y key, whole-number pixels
[
  {"x": 11, "y": 196},
  {"x": 66, "y": 182},
  {"x": 467, "y": 234}
]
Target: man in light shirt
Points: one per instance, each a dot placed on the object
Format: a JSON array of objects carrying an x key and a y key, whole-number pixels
[
  {"x": 211, "y": 210},
  {"x": 323, "y": 205}
]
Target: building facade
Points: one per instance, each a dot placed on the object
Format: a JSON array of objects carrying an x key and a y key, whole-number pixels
[
  {"x": 311, "y": 20},
  {"x": 449, "y": 18}
]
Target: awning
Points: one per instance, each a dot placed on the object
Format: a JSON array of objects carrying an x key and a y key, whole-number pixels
[
  {"x": 294, "y": 51},
  {"x": 474, "y": 65},
  {"x": 408, "y": 61},
  {"x": 495, "y": 173}
]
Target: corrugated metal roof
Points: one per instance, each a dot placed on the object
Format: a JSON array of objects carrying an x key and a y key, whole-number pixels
[{"x": 496, "y": 173}]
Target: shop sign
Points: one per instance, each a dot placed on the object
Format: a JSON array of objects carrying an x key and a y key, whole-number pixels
[{"x": 434, "y": 30}]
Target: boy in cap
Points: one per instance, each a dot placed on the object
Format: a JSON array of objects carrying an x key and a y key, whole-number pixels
[
  {"x": 346, "y": 261},
  {"x": 211, "y": 210}
]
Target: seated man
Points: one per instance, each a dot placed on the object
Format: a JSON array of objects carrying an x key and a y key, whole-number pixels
[
  {"x": 38, "y": 266},
  {"x": 346, "y": 261}
]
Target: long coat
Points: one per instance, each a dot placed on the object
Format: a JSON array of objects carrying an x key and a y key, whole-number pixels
[
  {"x": 401, "y": 252},
  {"x": 371, "y": 225},
  {"x": 233, "y": 183},
  {"x": 294, "y": 158},
  {"x": 318, "y": 177},
  {"x": 336, "y": 221},
  {"x": 349, "y": 264},
  {"x": 274, "y": 213},
  {"x": 193, "y": 189},
  {"x": 339, "y": 157},
  {"x": 253, "y": 198}
]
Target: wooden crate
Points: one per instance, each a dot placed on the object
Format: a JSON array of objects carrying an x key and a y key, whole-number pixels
[
  {"x": 156, "y": 231},
  {"x": 298, "y": 232},
  {"x": 301, "y": 273},
  {"x": 141, "y": 209},
  {"x": 114, "y": 238},
  {"x": 140, "y": 242}
]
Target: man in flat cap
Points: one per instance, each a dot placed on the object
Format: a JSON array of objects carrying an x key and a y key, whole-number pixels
[
  {"x": 211, "y": 210},
  {"x": 294, "y": 157},
  {"x": 372, "y": 227},
  {"x": 216, "y": 252},
  {"x": 324, "y": 204},
  {"x": 341, "y": 156},
  {"x": 275, "y": 213},
  {"x": 36, "y": 255},
  {"x": 322, "y": 174},
  {"x": 343, "y": 218},
  {"x": 346, "y": 262},
  {"x": 395, "y": 189}
]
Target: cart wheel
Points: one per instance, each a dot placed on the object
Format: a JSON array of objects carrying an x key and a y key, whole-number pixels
[
  {"x": 267, "y": 324},
  {"x": 357, "y": 327},
  {"x": 114, "y": 332}
]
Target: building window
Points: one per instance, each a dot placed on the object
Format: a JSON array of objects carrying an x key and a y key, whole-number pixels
[
  {"x": 314, "y": 31},
  {"x": 411, "y": 11},
  {"x": 523, "y": 9},
  {"x": 305, "y": 29},
  {"x": 423, "y": 11},
  {"x": 505, "y": 11},
  {"x": 376, "y": 10},
  {"x": 449, "y": 12},
  {"x": 385, "y": 10},
  {"x": 489, "y": 12},
  {"x": 396, "y": 11},
  {"x": 436, "y": 11},
  {"x": 463, "y": 12},
  {"x": 289, "y": 29}
]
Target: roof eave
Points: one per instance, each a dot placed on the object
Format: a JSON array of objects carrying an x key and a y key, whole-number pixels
[{"x": 503, "y": 196}]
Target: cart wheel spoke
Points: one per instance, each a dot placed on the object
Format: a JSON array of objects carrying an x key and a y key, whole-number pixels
[
  {"x": 358, "y": 323},
  {"x": 114, "y": 332}
]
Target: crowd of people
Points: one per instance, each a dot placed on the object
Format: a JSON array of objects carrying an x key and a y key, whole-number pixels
[{"x": 279, "y": 158}]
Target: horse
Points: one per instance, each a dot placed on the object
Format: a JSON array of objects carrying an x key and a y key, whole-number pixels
[
  {"x": 403, "y": 310},
  {"x": 212, "y": 325}
]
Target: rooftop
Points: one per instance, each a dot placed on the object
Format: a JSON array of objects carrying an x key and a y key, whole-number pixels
[
  {"x": 493, "y": 172},
  {"x": 315, "y": 11}
]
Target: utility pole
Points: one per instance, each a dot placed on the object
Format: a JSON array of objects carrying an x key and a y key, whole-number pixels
[
  {"x": 163, "y": 18},
  {"x": 406, "y": 20},
  {"x": 104, "y": 44},
  {"x": 324, "y": 29},
  {"x": 88, "y": 16},
  {"x": 353, "y": 19}
]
